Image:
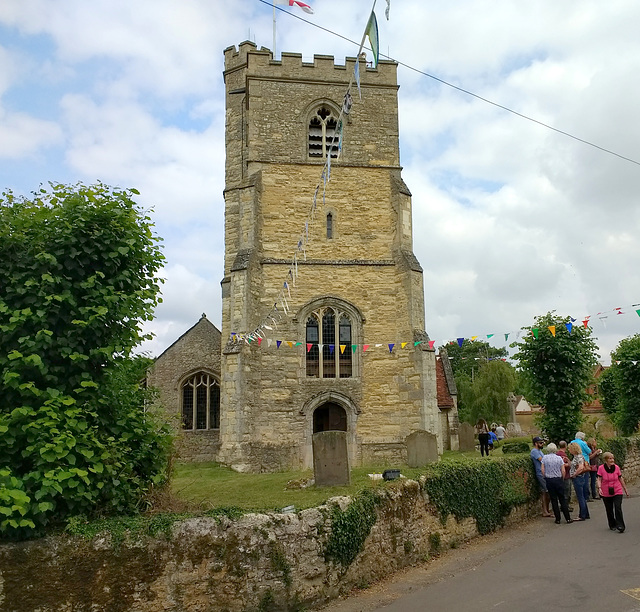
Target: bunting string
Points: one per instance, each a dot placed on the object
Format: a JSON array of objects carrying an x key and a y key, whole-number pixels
[{"x": 393, "y": 347}]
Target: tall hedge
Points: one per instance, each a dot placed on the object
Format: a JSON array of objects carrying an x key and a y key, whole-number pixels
[{"x": 78, "y": 270}]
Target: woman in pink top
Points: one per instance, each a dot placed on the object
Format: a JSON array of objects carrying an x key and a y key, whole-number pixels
[{"x": 611, "y": 485}]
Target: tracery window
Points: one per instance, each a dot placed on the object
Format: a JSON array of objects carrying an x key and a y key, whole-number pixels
[
  {"x": 322, "y": 130},
  {"x": 329, "y": 334},
  {"x": 200, "y": 395}
]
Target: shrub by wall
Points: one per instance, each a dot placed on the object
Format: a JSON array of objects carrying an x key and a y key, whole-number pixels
[{"x": 484, "y": 489}]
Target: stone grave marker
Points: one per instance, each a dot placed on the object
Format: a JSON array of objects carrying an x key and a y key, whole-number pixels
[
  {"x": 513, "y": 430},
  {"x": 331, "y": 459},
  {"x": 422, "y": 448},
  {"x": 467, "y": 437}
]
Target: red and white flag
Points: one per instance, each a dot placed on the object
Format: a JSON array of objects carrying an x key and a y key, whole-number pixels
[{"x": 305, "y": 7}]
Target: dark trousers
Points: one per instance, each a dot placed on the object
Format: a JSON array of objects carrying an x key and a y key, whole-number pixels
[
  {"x": 593, "y": 478},
  {"x": 581, "y": 485},
  {"x": 555, "y": 487},
  {"x": 613, "y": 506},
  {"x": 483, "y": 438}
]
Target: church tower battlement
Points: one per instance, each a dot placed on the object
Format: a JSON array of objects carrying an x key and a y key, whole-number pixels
[{"x": 358, "y": 283}]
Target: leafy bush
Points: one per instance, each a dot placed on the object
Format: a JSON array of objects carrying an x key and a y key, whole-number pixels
[
  {"x": 486, "y": 490},
  {"x": 515, "y": 447},
  {"x": 77, "y": 271}
]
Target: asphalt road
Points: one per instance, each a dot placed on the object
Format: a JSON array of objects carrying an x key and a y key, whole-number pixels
[{"x": 538, "y": 566}]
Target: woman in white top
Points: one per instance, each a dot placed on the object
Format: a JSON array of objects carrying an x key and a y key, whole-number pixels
[{"x": 553, "y": 469}]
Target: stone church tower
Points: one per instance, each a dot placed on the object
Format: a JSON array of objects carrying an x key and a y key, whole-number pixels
[{"x": 359, "y": 283}]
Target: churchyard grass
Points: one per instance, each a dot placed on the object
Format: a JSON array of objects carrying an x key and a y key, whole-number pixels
[{"x": 210, "y": 485}]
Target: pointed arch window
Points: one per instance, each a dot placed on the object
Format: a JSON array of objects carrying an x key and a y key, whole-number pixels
[
  {"x": 322, "y": 134},
  {"x": 200, "y": 395},
  {"x": 329, "y": 344}
]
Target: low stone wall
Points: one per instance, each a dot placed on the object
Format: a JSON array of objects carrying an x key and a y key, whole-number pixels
[{"x": 258, "y": 562}]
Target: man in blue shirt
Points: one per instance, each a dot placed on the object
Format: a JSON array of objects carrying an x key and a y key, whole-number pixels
[{"x": 536, "y": 457}]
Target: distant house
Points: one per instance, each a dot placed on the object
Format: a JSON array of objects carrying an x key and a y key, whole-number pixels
[
  {"x": 594, "y": 405},
  {"x": 524, "y": 407}
]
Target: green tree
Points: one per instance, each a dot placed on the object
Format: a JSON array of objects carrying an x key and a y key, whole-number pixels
[
  {"x": 620, "y": 386},
  {"x": 486, "y": 395},
  {"x": 467, "y": 358},
  {"x": 78, "y": 271},
  {"x": 557, "y": 360}
]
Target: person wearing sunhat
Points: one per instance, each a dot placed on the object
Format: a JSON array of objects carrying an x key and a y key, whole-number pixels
[{"x": 536, "y": 456}]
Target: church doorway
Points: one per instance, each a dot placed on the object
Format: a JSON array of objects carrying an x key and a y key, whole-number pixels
[{"x": 329, "y": 417}]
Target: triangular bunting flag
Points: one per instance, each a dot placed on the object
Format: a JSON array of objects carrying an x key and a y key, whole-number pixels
[
  {"x": 298, "y": 344},
  {"x": 269, "y": 342},
  {"x": 278, "y": 343},
  {"x": 638, "y": 312},
  {"x": 552, "y": 329},
  {"x": 569, "y": 326},
  {"x": 403, "y": 344},
  {"x": 489, "y": 336},
  {"x": 309, "y": 345},
  {"x": 290, "y": 343},
  {"x": 372, "y": 34},
  {"x": 391, "y": 347},
  {"x": 354, "y": 348},
  {"x": 364, "y": 348},
  {"x": 460, "y": 341},
  {"x": 342, "y": 347},
  {"x": 534, "y": 332},
  {"x": 332, "y": 348},
  {"x": 586, "y": 323},
  {"x": 473, "y": 338},
  {"x": 506, "y": 337},
  {"x": 431, "y": 343}
]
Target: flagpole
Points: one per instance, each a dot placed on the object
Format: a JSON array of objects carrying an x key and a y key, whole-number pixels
[{"x": 274, "y": 29}]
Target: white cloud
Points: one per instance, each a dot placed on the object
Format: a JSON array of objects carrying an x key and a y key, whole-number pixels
[{"x": 510, "y": 219}]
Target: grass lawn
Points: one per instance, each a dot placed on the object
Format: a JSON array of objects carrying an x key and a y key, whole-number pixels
[
  {"x": 209, "y": 485},
  {"x": 204, "y": 486}
]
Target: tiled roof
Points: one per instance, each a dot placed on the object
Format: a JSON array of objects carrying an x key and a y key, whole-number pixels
[{"x": 445, "y": 399}]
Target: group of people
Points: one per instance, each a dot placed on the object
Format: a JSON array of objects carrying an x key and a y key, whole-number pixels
[
  {"x": 488, "y": 437},
  {"x": 594, "y": 475}
]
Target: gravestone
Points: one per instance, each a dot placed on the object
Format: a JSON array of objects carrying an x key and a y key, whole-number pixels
[
  {"x": 331, "y": 459},
  {"x": 467, "y": 437},
  {"x": 422, "y": 448},
  {"x": 514, "y": 430}
]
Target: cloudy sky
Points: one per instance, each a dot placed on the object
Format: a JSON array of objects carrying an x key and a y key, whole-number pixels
[{"x": 511, "y": 219}]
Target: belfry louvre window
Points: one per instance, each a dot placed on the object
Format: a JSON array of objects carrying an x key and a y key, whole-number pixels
[
  {"x": 322, "y": 130},
  {"x": 200, "y": 402},
  {"x": 330, "y": 354}
]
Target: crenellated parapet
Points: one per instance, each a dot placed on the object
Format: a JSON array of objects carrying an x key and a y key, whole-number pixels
[{"x": 260, "y": 62}]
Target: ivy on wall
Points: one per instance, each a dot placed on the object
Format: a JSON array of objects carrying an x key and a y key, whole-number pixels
[
  {"x": 350, "y": 528},
  {"x": 486, "y": 490}
]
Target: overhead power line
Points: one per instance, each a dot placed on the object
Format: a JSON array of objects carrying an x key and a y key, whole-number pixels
[{"x": 461, "y": 89}]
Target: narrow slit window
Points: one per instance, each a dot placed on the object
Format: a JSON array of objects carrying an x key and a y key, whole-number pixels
[{"x": 329, "y": 226}]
